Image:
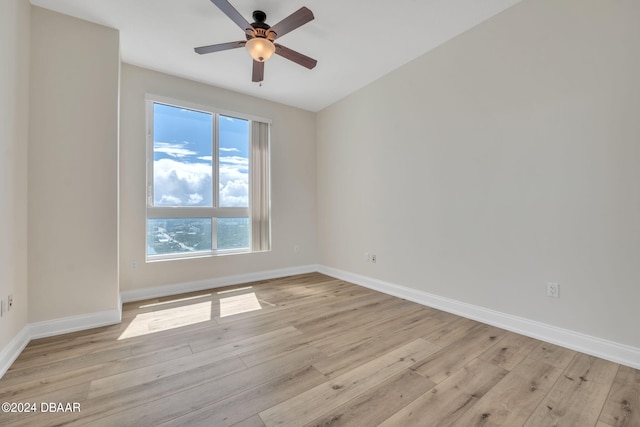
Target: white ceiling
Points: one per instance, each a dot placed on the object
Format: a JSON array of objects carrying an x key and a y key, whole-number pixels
[{"x": 354, "y": 41}]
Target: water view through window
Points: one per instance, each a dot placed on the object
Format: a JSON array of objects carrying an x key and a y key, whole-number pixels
[
  {"x": 173, "y": 235},
  {"x": 193, "y": 167}
]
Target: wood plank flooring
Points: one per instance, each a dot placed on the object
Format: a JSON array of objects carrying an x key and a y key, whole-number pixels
[{"x": 311, "y": 350}]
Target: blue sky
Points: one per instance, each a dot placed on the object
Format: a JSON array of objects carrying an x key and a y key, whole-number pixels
[{"x": 183, "y": 153}]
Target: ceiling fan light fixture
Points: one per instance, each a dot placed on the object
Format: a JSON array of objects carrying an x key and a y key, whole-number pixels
[
  {"x": 260, "y": 38},
  {"x": 260, "y": 48}
]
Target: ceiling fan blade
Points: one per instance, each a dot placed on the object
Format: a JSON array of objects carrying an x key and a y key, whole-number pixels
[
  {"x": 291, "y": 22},
  {"x": 218, "y": 47},
  {"x": 294, "y": 56},
  {"x": 258, "y": 71},
  {"x": 232, "y": 13}
]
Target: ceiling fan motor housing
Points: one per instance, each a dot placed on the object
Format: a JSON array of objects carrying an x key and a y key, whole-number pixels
[
  {"x": 259, "y": 16},
  {"x": 260, "y": 28}
]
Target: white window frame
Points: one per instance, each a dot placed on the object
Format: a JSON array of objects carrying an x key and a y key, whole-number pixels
[{"x": 213, "y": 212}]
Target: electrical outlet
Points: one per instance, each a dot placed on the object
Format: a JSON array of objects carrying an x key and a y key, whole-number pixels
[
  {"x": 134, "y": 265},
  {"x": 373, "y": 258},
  {"x": 9, "y": 302},
  {"x": 553, "y": 290},
  {"x": 296, "y": 249},
  {"x": 367, "y": 257}
]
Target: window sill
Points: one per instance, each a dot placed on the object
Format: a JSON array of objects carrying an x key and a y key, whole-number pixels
[{"x": 193, "y": 255}]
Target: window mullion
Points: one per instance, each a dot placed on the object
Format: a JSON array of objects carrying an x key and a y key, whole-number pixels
[
  {"x": 215, "y": 162},
  {"x": 215, "y": 179},
  {"x": 149, "y": 164},
  {"x": 214, "y": 234}
]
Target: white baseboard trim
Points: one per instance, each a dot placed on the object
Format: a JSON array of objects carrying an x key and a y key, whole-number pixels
[
  {"x": 10, "y": 353},
  {"x": 608, "y": 350},
  {"x": 119, "y": 307},
  {"x": 201, "y": 285},
  {"x": 49, "y": 328}
]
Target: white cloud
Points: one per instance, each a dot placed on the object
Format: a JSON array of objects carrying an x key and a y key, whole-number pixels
[
  {"x": 234, "y": 181},
  {"x": 233, "y": 173},
  {"x": 195, "y": 199},
  {"x": 234, "y": 160},
  {"x": 173, "y": 150},
  {"x": 181, "y": 184},
  {"x": 169, "y": 200},
  {"x": 229, "y": 149},
  {"x": 178, "y": 183},
  {"x": 234, "y": 193}
]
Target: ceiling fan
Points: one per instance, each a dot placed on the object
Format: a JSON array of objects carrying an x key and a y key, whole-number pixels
[{"x": 260, "y": 37}]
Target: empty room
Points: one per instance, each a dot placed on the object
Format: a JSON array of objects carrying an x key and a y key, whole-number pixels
[{"x": 320, "y": 213}]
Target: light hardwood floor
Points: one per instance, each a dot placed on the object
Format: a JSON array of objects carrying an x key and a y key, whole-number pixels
[{"x": 311, "y": 350}]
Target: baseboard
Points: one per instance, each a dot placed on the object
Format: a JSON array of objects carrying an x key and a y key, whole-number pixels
[
  {"x": 119, "y": 307},
  {"x": 608, "y": 350},
  {"x": 66, "y": 325},
  {"x": 200, "y": 285},
  {"x": 10, "y": 353},
  {"x": 55, "y": 327}
]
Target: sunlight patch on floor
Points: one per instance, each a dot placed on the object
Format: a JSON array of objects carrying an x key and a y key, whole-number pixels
[
  {"x": 166, "y": 319},
  {"x": 239, "y": 304}
]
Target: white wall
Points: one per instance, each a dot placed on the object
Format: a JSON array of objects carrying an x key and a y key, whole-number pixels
[
  {"x": 14, "y": 110},
  {"x": 293, "y": 185},
  {"x": 507, "y": 158},
  {"x": 73, "y": 253}
]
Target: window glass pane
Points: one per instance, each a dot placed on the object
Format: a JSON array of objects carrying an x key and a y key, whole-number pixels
[
  {"x": 182, "y": 157},
  {"x": 234, "y": 162},
  {"x": 176, "y": 235},
  {"x": 233, "y": 233}
]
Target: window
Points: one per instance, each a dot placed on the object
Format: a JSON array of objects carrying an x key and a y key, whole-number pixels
[{"x": 207, "y": 181}]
